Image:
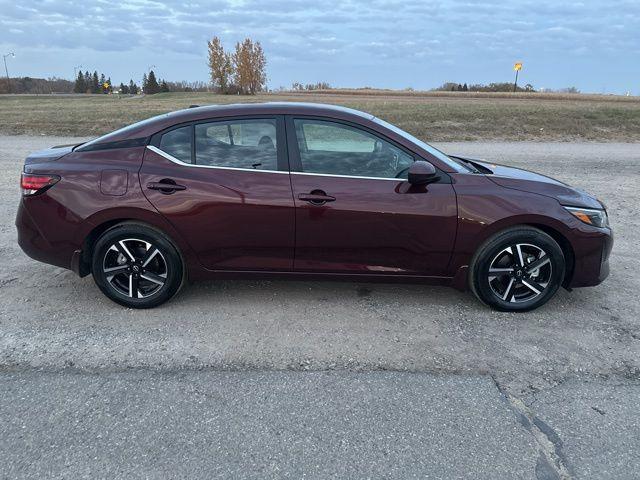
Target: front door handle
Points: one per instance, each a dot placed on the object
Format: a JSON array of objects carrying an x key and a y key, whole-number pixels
[
  {"x": 316, "y": 197},
  {"x": 166, "y": 186}
]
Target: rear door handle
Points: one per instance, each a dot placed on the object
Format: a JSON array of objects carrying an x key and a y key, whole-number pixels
[
  {"x": 165, "y": 186},
  {"x": 316, "y": 197}
]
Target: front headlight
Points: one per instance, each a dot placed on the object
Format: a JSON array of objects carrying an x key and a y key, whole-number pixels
[{"x": 591, "y": 216}]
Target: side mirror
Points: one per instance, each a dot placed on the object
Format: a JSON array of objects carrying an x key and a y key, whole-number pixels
[{"x": 422, "y": 173}]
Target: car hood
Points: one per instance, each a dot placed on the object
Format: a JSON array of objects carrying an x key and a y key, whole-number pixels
[{"x": 527, "y": 181}]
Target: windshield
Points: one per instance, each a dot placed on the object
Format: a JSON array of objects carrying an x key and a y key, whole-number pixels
[{"x": 458, "y": 167}]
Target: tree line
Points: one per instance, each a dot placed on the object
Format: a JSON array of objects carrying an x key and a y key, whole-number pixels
[
  {"x": 35, "y": 85},
  {"x": 310, "y": 86},
  {"x": 243, "y": 71},
  {"x": 479, "y": 87},
  {"x": 92, "y": 83}
]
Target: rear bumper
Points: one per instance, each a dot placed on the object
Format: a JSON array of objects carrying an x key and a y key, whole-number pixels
[
  {"x": 34, "y": 243},
  {"x": 592, "y": 253}
]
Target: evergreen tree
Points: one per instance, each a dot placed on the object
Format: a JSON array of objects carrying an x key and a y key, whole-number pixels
[
  {"x": 133, "y": 88},
  {"x": 145, "y": 83},
  {"x": 80, "y": 86},
  {"x": 465, "y": 88},
  {"x": 124, "y": 89},
  {"x": 110, "y": 87},
  {"x": 87, "y": 82},
  {"x": 164, "y": 87},
  {"x": 95, "y": 83},
  {"x": 152, "y": 84}
]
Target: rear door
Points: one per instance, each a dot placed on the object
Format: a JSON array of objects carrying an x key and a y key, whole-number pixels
[
  {"x": 224, "y": 185},
  {"x": 355, "y": 211}
]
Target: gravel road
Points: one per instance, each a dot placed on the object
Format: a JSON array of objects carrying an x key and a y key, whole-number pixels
[{"x": 585, "y": 344}]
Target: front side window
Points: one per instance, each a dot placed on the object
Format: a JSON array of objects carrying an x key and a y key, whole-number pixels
[
  {"x": 249, "y": 144},
  {"x": 337, "y": 149},
  {"x": 177, "y": 143}
]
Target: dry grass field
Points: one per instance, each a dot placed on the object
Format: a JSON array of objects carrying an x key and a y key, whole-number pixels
[{"x": 433, "y": 116}]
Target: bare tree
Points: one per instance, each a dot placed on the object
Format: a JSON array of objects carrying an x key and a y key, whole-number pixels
[{"x": 219, "y": 65}]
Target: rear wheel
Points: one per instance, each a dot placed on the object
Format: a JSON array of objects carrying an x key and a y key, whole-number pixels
[
  {"x": 137, "y": 266},
  {"x": 518, "y": 269}
]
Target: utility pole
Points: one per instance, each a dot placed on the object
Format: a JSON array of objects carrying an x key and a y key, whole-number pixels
[{"x": 6, "y": 70}]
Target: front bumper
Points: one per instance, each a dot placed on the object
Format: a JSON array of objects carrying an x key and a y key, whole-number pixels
[{"x": 592, "y": 252}]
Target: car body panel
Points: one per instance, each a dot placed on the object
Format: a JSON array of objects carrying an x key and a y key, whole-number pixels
[
  {"x": 527, "y": 181},
  {"x": 374, "y": 226},
  {"x": 48, "y": 154},
  {"x": 486, "y": 208},
  {"x": 233, "y": 219},
  {"x": 54, "y": 225}
]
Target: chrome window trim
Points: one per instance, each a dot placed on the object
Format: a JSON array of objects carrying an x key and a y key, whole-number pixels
[
  {"x": 173, "y": 159},
  {"x": 349, "y": 176}
]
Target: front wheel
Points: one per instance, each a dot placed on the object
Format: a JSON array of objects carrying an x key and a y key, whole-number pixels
[
  {"x": 518, "y": 269},
  {"x": 136, "y": 266}
]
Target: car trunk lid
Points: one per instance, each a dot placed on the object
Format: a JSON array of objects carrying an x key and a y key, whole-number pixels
[{"x": 49, "y": 154}]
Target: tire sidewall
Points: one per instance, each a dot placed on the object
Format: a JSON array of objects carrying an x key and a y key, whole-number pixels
[
  {"x": 175, "y": 269},
  {"x": 485, "y": 255}
]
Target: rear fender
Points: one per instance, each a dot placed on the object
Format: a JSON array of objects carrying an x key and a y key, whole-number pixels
[{"x": 95, "y": 225}]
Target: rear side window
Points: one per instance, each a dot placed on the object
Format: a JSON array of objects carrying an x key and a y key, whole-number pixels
[
  {"x": 177, "y": 143},
  {"x": 249, "y": 144}
]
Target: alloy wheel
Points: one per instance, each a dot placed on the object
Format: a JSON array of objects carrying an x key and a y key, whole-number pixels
[
  {"x": 134, "y": 268},
  {"x": 520, "y": 272}
]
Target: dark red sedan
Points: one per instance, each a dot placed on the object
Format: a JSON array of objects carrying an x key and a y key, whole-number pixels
[{"x": 302, "y": 190}]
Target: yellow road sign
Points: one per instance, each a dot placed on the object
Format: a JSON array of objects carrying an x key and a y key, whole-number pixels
[{"x": 517, "y": 66}]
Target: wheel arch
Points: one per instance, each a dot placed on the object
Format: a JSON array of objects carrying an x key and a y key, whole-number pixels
[
  {"x": 99, "y": 225},
  {"x": 461, "y": 264},
  {"x": 565, "y": 245}
]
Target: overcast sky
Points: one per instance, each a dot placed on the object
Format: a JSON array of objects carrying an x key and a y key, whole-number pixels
[{"x": 593, "y": 45}]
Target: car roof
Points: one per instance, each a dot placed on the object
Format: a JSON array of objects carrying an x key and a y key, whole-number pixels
[
  {"x": 273, "y": 107},
  {"x": 150, "y": 126}
]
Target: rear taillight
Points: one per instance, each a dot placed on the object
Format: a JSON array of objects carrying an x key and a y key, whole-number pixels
[{"x": 33, "y": 184}]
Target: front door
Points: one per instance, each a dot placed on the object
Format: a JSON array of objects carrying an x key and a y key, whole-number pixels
[
  {"x": 225, "y": 186},
  {"x": 355, "y": 211}
]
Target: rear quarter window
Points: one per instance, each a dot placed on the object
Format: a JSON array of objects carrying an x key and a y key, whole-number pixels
[{"x": 177, "y": 143}]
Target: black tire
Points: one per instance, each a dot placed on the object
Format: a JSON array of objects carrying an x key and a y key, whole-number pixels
[
  {"x": 503, "y": 272},
  {"x": 136, "y": 275}
]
